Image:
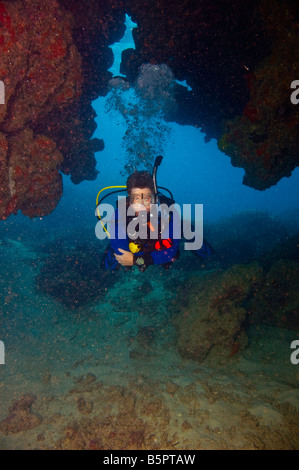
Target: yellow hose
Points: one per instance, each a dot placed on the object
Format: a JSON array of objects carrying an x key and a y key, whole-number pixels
[{"x": 97, "y": 201}]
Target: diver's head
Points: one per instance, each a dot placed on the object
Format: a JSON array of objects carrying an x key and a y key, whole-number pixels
[
  {"x": 140, "y": 179},
  {"x": 140, "y": 187}
]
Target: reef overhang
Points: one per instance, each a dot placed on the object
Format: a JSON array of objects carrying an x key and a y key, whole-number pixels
[{"x": 239, "y": 58}]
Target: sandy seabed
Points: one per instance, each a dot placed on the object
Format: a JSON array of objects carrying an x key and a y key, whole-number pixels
[{"x": 108, "y": 375}]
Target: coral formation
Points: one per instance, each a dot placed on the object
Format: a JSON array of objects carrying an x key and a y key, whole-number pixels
[
  {"x": 239, "y": 58},
  {"x": 215, "y": 309},
  {"x": 21, "y": 417},
  {"x": 73, "y": 277},
  {"x": 110, "y": 377},
  {"x": 153, "y": 416},
  {"x": 41, "y": 70},
  {"x": 264, "y": 138},
  {"x": 244, "y": 237},
  {"x": 127, "y": 421},
  {"x": 212, "y": 319},
  {"x": 277, "y": 302},
  {"x": 47, "y": 110}
]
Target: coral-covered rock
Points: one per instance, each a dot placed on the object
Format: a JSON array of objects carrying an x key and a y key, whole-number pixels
[
  {"x": 21, "y": 417},
  {"x": 277, "y": 302},
  {"x": 73, "y": 277},
  {"x": 235, "y": 242},
  {"x": 264, "y": 138},
  {"x": 72, "y": 131},
  {"x": 127, "y": 421},
  {"x": 96, "y": 25},
  {"x": 238, "y": 57},
  {"x": 213, "y": 314},
  {"x": 41, "y": 71},
  {"x": 34, "y": 184},
  {"x": 4, "y": 175},
  {"x": 49, "y": 65},
  {"x": 84, "y": 407},
  {"x": 204, "y": 43},
  {"x": 48, "y": 51}
]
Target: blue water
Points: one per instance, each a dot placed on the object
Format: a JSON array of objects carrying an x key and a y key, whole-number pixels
[{"x": 195, "y": 172}]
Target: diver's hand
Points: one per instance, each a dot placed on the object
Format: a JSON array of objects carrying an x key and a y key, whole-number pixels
[{"x": 126, "y": 259}]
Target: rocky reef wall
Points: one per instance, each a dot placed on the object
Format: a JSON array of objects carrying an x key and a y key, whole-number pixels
[
  {"x": 217, "y": 308},
  {"x": 50, "y": 74},
  {"x": 239, "y": 58}
]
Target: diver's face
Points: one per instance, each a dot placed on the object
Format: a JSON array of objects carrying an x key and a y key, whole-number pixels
[{"x": 141, "y": 198}]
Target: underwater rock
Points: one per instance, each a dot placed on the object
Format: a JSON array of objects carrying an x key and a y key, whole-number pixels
[
  {"x": 171, "y": 388},
  {"x": 236, "y": 242},
  {"x": 146, "y": 335},
  {"x": 143, "y": 342},
  {"x": 128, "y": 418},
  {"x": 211, "y": 321},
  {"x": 264, "y": 138},
  {"x": 239, "y": 58},
  {"x": 36, "y": 187},
  {"x": 41, "y": 71},
  {"x": 277, "y": 302},
  {"x": 21, "y": 417},
  {"x": 50, "y": 78},
  {"x": 145, "y": 288},
  {"x": 83, "y": 406},
  {"x": 286, "y": 250},
  {"x": 74, "y": 277}
]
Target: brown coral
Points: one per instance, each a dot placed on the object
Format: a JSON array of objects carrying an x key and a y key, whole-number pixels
[
  {"x": 238, "y": 57},
  {"x": 277, "y": 302},
  {"x": 211, "y": 322},
  {"x": 41, "y": 70},
  {"x": 21, "y": 417},
  {"x": 264, "y": 138}
]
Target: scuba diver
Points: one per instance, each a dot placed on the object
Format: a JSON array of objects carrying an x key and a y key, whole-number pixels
[{"x": 153, "y": 248}]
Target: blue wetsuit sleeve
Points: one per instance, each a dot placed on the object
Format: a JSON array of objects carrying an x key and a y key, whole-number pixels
[
  {"x": 118, "y": 240},
  {"x": 114, "y": 229}
]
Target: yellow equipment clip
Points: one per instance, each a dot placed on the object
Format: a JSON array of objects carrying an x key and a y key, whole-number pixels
[
  {"x": 134, "y": 247},
  {"x": 97, "y": 202}
]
